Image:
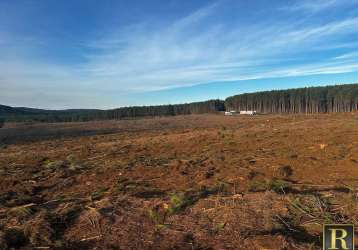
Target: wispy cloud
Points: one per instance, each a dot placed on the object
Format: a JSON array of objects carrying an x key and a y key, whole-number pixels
[
  {"x": 350, "y": 55},
  {"x": 317, "y": 5},
  {"x": 200, "y": 47},
  {"x": 169, "y": 57}
]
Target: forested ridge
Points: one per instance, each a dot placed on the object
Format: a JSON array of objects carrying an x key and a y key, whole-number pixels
[
  {"x": 338, "y": 98},
  {"x": 24, "y": 114}
]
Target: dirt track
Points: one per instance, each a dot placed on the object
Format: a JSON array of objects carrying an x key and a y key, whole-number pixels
[{"x": 186, "y": 182}]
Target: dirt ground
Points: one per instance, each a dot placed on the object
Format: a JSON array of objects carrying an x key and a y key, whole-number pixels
[{"x": 185, "y": 182}]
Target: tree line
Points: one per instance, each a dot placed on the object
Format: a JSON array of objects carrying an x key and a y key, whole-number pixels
[
  {"x": 338, "y": 98},
  {"x": 19, "y": 115},
  {"x": 168, "y": 110}
]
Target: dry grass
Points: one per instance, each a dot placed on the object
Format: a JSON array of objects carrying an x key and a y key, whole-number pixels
[{"x": 193, "y": 182}]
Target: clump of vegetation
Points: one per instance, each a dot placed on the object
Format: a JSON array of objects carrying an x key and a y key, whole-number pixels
[
  {"x": 53, "y": 164},
  {"x": 71, "y": 159},
  {"x": 21, "y": 212},
  {"x": 158, "y": 215},
  {"x": 125, "y": 184},
  {"x": 71, "y": 164},
  {"x": 180, "y": 201},
  {"x": 74, "y": 163},
  {"x": 219, "y": 227},
  {"x": 279, "y": 186},
  {"x": 12, "y": 199},
  {"x": 97, "y": 195},
  {"x": 258, "y": 186},
  {"x": 155, "y": 216},
  {"x": 276, "y": 185},
  {"x": 138, "y": 189}
]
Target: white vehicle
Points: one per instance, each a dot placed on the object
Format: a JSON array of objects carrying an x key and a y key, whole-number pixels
[
  {"x": 231, "y": 112},
  {"x": 248, "y": 112}
]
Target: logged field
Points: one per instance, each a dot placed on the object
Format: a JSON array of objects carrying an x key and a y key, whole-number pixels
[{"x": 184, "y": 182}]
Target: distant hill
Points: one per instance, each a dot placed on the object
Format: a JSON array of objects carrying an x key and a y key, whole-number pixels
[
  {"x": 338, "y": 98},
  {"x": 7, "y": 110},
  {"x": 22, "y": 114},
  {"x": 23, "y": 110},
  {"x": 72, "y": 115}
]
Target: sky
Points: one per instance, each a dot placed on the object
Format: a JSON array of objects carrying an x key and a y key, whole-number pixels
[{"x": 107, "y": 54}]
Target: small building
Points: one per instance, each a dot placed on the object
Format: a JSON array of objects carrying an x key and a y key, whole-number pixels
[{"x": 248, "y": 112}]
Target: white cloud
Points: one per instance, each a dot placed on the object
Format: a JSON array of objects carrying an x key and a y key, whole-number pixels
[
  {"x": 317, "y": 5},
  {"x": 350, "y": 55},
  {"x": 198, "y": 48},
  {"x": 169, "y": 57}
]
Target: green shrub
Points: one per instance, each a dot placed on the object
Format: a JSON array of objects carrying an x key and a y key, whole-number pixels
[
  {"x": 276, "y": 185},
  {"x": 180, "y": 201},
  {"x": 279, "y": 186},
  {"x": 258, "y": 186}
]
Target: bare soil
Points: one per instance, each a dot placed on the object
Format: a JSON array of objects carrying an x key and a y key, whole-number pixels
[{"x": 185, "y": 182}]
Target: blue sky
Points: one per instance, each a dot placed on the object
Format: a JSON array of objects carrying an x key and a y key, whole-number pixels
[{"x": 105, "y": 54}]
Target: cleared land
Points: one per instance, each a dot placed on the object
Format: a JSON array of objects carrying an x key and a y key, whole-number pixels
[{"x": 185, "y": 182}]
